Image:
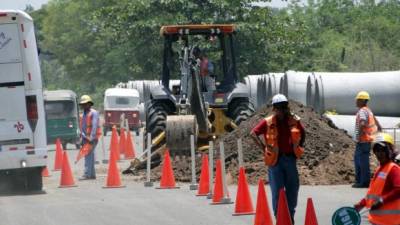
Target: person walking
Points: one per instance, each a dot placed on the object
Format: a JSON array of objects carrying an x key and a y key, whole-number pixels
[
  {"x": 284, "y": 138},
  {"x": 366, "y": 126},
  {"x": 382, "y": 198},
  {"x": 90, "y": 133}
]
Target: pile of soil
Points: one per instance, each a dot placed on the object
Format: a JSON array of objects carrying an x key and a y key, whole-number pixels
[{"x": 328, "y": 157}]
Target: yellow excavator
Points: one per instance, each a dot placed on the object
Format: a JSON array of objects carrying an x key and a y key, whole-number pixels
[{"x": 205, "y": 105}]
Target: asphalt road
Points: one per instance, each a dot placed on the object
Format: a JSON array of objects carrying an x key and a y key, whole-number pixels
[{"x": 89, "y": 203}]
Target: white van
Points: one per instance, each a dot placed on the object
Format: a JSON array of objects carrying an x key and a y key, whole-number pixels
[{"x": 23, "y": 150}]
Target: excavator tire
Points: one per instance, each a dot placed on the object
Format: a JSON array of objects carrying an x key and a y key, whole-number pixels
[
  {"x": 156, "y": 117},
  {"x": 240, "y": 109}
]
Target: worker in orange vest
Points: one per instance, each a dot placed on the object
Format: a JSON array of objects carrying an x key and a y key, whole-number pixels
[
  {"x": 366, "y": 126},
  {"x": 90, "y": 133},
  {"x": 284, "y": 137},
  {"x": 383, "y": 196}
]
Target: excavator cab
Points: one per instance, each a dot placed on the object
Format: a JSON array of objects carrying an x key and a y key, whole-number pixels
[
  {"x": 209, "y": 100},
  {"x": 213, "y": 42}
]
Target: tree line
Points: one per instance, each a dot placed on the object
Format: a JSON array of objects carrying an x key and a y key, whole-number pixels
[{"x": 90, "y": 45}]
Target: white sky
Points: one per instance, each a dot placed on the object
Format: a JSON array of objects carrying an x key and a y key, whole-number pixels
[{"x": 20, "y": 4}]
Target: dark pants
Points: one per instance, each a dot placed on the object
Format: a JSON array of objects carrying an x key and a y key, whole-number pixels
[
  {"x": 284, "y": 175},
  {"x": 361, "y": 162}
]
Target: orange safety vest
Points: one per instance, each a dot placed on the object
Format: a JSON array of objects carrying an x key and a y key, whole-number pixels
[
  {"x": 370, "y": 129},
  {"x": 271, "y": 152},
  {"x": 388, "y": 213},
  {"x": 89, "y": 118}
]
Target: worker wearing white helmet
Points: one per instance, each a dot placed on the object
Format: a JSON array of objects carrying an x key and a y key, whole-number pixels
[
  {"x": 284, "y": 137},
  {"x": 366, "y": 126},
  {"x": 90, "y": 132}
]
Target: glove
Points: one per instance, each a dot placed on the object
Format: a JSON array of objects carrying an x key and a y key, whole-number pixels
[
  {"x": 377, "y": 204},
  {"x": 358, "y": 207}
]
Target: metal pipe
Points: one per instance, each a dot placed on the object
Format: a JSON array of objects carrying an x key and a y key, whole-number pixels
[
  {"x": 211, "y": 168},
  {"x": 193, "y": 185}
]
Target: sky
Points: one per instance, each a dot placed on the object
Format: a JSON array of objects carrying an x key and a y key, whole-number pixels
[{"x": 20, "y": 4}]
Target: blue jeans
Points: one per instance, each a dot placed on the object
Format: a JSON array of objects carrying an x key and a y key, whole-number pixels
[
  {"x": 284, "y": 175},
  {"x": 361, "y": 163},
  {"x": 89, "y": 162}
]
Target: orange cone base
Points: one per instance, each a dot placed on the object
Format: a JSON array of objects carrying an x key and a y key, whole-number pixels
[
  {"x": 67, "y": 186},
  {"x": 243, "y": 214},
  {"x": 202, "y": 194},
  {"x": 223, "y": 201},
  {"x": 176, "y": 187},
  {"x": 121, "y": 186}
]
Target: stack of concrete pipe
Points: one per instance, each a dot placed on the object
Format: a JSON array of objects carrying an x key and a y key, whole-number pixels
[
  {"x": 336, "y": 92},
  {"x": 262, "y": 87}
]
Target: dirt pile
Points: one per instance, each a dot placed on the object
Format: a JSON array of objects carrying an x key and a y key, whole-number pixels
[
  {"x": 328, "y": 157},
  {"x": 328, "y": 150}
]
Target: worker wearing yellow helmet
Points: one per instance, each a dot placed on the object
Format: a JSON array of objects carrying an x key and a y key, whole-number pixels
[
  {"x": 90, "y": 133},
  {"x": 366, "y": 127},
  {"x": 383, "y": 194}
]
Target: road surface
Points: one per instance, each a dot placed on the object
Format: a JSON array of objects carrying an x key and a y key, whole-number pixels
[{"x": 89, "y": 203}]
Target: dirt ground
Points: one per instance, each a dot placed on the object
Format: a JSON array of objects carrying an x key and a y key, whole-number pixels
[{"x": 328, "y": 157}]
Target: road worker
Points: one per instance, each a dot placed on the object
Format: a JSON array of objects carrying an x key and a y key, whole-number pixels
[
  {"x": 283, "y": 144},
  {"x": 366, "y": 126},
  {"x": 90, "y": 133},
  {"x": 382, "y": 198}
]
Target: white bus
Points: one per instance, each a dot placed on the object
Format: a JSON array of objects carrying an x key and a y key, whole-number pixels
[{"x": 23, "y": 152}]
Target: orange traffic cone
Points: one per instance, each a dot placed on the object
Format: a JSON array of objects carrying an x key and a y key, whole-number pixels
[
  {"x": 45, "y": 172},
  {"x": 67, "y": 178},
  {"x": 113, "y": 177},
  {"x": 59, "y": 156},
  {"x": 283, "y": 214},
  {"x": 244, "y": 205},
  {"x": 219, "y": 195},
  {"x": 122, "y": 141},
  {"x": 204, "y": 183},
  {"x": 167, "y": 176},
  {"x": 263, "y": 215},
  {"x": 130, "y": 148},
  {"x": 311, "y": 218},
  {"x": 114, "y": 145}
]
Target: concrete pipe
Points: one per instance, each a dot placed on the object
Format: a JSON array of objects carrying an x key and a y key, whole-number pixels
[
  {"x": 336, "y": 92},
  {"x": 294, "y": 85},
  {"x": 268, "y": 88},
  {"x": 252, "y": 84},
  {"x": 261, "y": 91},
  {"x": 310, "y": 90},
  {"x": 347, "y": 122},
  {"x": 275, "y": 82}
]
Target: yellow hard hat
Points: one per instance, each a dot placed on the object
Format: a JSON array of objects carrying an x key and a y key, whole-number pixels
[
  {"x": 363, "y": 95},
  {"x": 86, "y": 99},
  {"x": 384, "y": 137}
]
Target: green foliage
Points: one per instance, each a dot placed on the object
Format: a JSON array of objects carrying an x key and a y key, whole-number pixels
[{"x": 90, "y": 45}]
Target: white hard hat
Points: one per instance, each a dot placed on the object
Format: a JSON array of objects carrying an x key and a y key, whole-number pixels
[{"x": 278, "y": 99}]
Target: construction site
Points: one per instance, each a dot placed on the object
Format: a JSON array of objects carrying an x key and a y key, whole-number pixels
[{"x": 183, "y": 148}]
